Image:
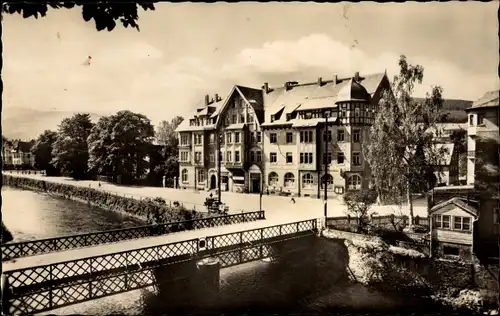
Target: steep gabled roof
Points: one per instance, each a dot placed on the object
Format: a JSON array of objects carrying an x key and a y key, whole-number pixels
[
  {"x": 458, "y": 202},
  {"x": 489, "y": 99}
]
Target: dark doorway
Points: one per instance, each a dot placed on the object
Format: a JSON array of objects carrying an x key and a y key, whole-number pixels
[
  {"x": 255, "y": 185},
  {"x": 225, "y": 183},
  {"x": 213, "y": 182}
]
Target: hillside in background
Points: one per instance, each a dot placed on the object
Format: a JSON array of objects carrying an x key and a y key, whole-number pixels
[
  {"x": 455, "y": 108},
  {"x": 26, "y": 123}
]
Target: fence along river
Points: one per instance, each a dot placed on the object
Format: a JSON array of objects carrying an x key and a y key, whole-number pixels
[{"x": 256, "y": 286}]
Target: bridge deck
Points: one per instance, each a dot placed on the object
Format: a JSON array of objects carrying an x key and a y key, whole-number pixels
[{"x": 129, "y": 245}]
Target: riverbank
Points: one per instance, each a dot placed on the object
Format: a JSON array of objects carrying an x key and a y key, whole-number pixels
[
  {"x": 376, "y": 264},
  {"x": 146, "y": 210}
]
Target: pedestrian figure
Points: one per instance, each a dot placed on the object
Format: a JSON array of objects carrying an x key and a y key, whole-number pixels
[
  {"x": 293, "y": 200},
  {"x": 99, "y": 184}
]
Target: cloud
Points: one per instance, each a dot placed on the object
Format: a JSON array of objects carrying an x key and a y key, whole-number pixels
[
  {"x": 138, "y": 76},
  {"x": 320, "y": 55}
]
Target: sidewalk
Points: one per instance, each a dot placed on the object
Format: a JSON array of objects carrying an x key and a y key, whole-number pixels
[{"x": 275, "y": 206}]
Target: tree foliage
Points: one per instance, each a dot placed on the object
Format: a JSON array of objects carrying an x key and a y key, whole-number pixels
[
  {"x": 401, "y": 150},
  {"x": 105, "y": 14},
  {"x": 42, "y": 150},
  {"x": 70, "y": 150},
  {"x": 358, "y": 204},
  {"x": 167, "y": 137},
  {"x": 120, "y": 144}
]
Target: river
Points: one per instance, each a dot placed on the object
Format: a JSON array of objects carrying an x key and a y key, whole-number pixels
[{"x": 256, "y": 287}]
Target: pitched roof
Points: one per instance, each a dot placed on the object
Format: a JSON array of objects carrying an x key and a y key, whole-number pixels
[
  {"x": 298, "y": 93},
  {"x": 489, "y": 99},
  {"x": 447, "y": 150},
  {"x": 458, "y": 202}
]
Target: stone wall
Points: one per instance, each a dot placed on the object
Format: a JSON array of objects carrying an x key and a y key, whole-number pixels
[{"x": 145, "y": 210}]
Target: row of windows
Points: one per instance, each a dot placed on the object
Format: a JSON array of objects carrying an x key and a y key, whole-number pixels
[
  {"x": 353, "y": 183},
  {"x": 254, "y": 156},
  {"x": 459, "y": 222},
  {"x": 307, "y": 158},
  {"x": 308, "y": 136},
  {"x": 238, "y": 118},
  {"x": 200, "y": 176},
  {"x": 480, "y": 119}
]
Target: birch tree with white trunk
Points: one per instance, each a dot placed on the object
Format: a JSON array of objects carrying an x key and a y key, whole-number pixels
[{"x": 402, "y": 151}]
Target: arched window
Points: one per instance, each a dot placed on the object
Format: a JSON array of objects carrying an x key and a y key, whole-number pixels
[
  {"x": 329, "y": 181},
  {"x": 307, "y": 180},
  {"x": 354, "y": 182},
  {"x": 184, "y": 175},
  {"x": 273, "y": 179},
  {"x": 289, "y": 180}
]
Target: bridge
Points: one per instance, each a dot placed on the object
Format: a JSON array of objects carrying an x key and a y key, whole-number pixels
[{"x": 47, "y": 274}]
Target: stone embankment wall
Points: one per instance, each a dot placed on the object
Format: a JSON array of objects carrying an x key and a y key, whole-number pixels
[
  {"x": 141, "y": 209},
  {"x": 373, "y": 262}
]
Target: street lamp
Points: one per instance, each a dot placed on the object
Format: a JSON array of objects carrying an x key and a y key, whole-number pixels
[
  {"x": 326, "y": 114},
  {"x": 219, "y": 166}
]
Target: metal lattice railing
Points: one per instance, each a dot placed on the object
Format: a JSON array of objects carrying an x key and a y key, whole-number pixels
[
  {"x": 60, "y": 284},
  {"x": 41, "y": 246}
]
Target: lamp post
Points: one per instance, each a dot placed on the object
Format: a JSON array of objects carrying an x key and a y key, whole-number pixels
[
  {"x": 326, "y": 166},
  {"x": 219, "y": 154}
]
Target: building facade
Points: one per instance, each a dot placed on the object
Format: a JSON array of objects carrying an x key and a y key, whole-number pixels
[
  {"x": 296, "y": 134},
  {"x": 274, "y": 139},
  {"x": 17, "y": 153},
  {"x": 483, "y": 176},
  {"x": 233, "y": 126}
]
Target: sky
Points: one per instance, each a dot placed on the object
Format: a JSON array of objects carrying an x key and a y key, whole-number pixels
[{"x": 184, "y": 51}]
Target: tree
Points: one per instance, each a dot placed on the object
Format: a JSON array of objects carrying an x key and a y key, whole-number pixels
[
  {"x": 42, "y": 150},
  {"x": 401, "y": 150},
  {"x": 104, "y": 13},
  {"x": 120, "y": 144},
  {"x": 167, "y": 137},
  {"x": 459, "y": 138},
  {"x": 70, "y": 151},
  {"x": 358, "y": 204}
]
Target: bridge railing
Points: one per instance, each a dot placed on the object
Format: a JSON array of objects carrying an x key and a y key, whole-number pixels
[
  {"x": 45, "y": 287},
  {"x": 41, "y": 246}
]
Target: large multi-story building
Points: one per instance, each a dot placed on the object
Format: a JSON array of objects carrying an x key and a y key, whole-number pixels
[
  {"x": 233, "y": 124},
  {"x": 274, "y": 139},
  {"x": 296, "y": 134}
]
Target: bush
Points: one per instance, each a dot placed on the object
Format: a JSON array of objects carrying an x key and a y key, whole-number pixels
[{"x": 152, "y": 210}]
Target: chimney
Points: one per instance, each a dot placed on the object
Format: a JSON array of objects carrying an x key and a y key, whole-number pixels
[
  {"x": 216, "y": 98},
  {"x": 335, "y": 79},
  {"x": 265, "y": 87},
  {"x": 287, "y": 85},
  {"x": 320, "y": 81},
  {"x": 356, "y": 76},
  {"x": 207, "y": 99}
]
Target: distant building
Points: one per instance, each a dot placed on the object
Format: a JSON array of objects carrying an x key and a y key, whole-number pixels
[
  {"x": 17, "y": 153},
  {"x": 446, "y": 169},
  {"x": 481, "y": 195},
  {"x": 482, "y": 130}
]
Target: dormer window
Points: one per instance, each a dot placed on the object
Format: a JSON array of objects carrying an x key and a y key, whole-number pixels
[{"x": 288, "y": 117}]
